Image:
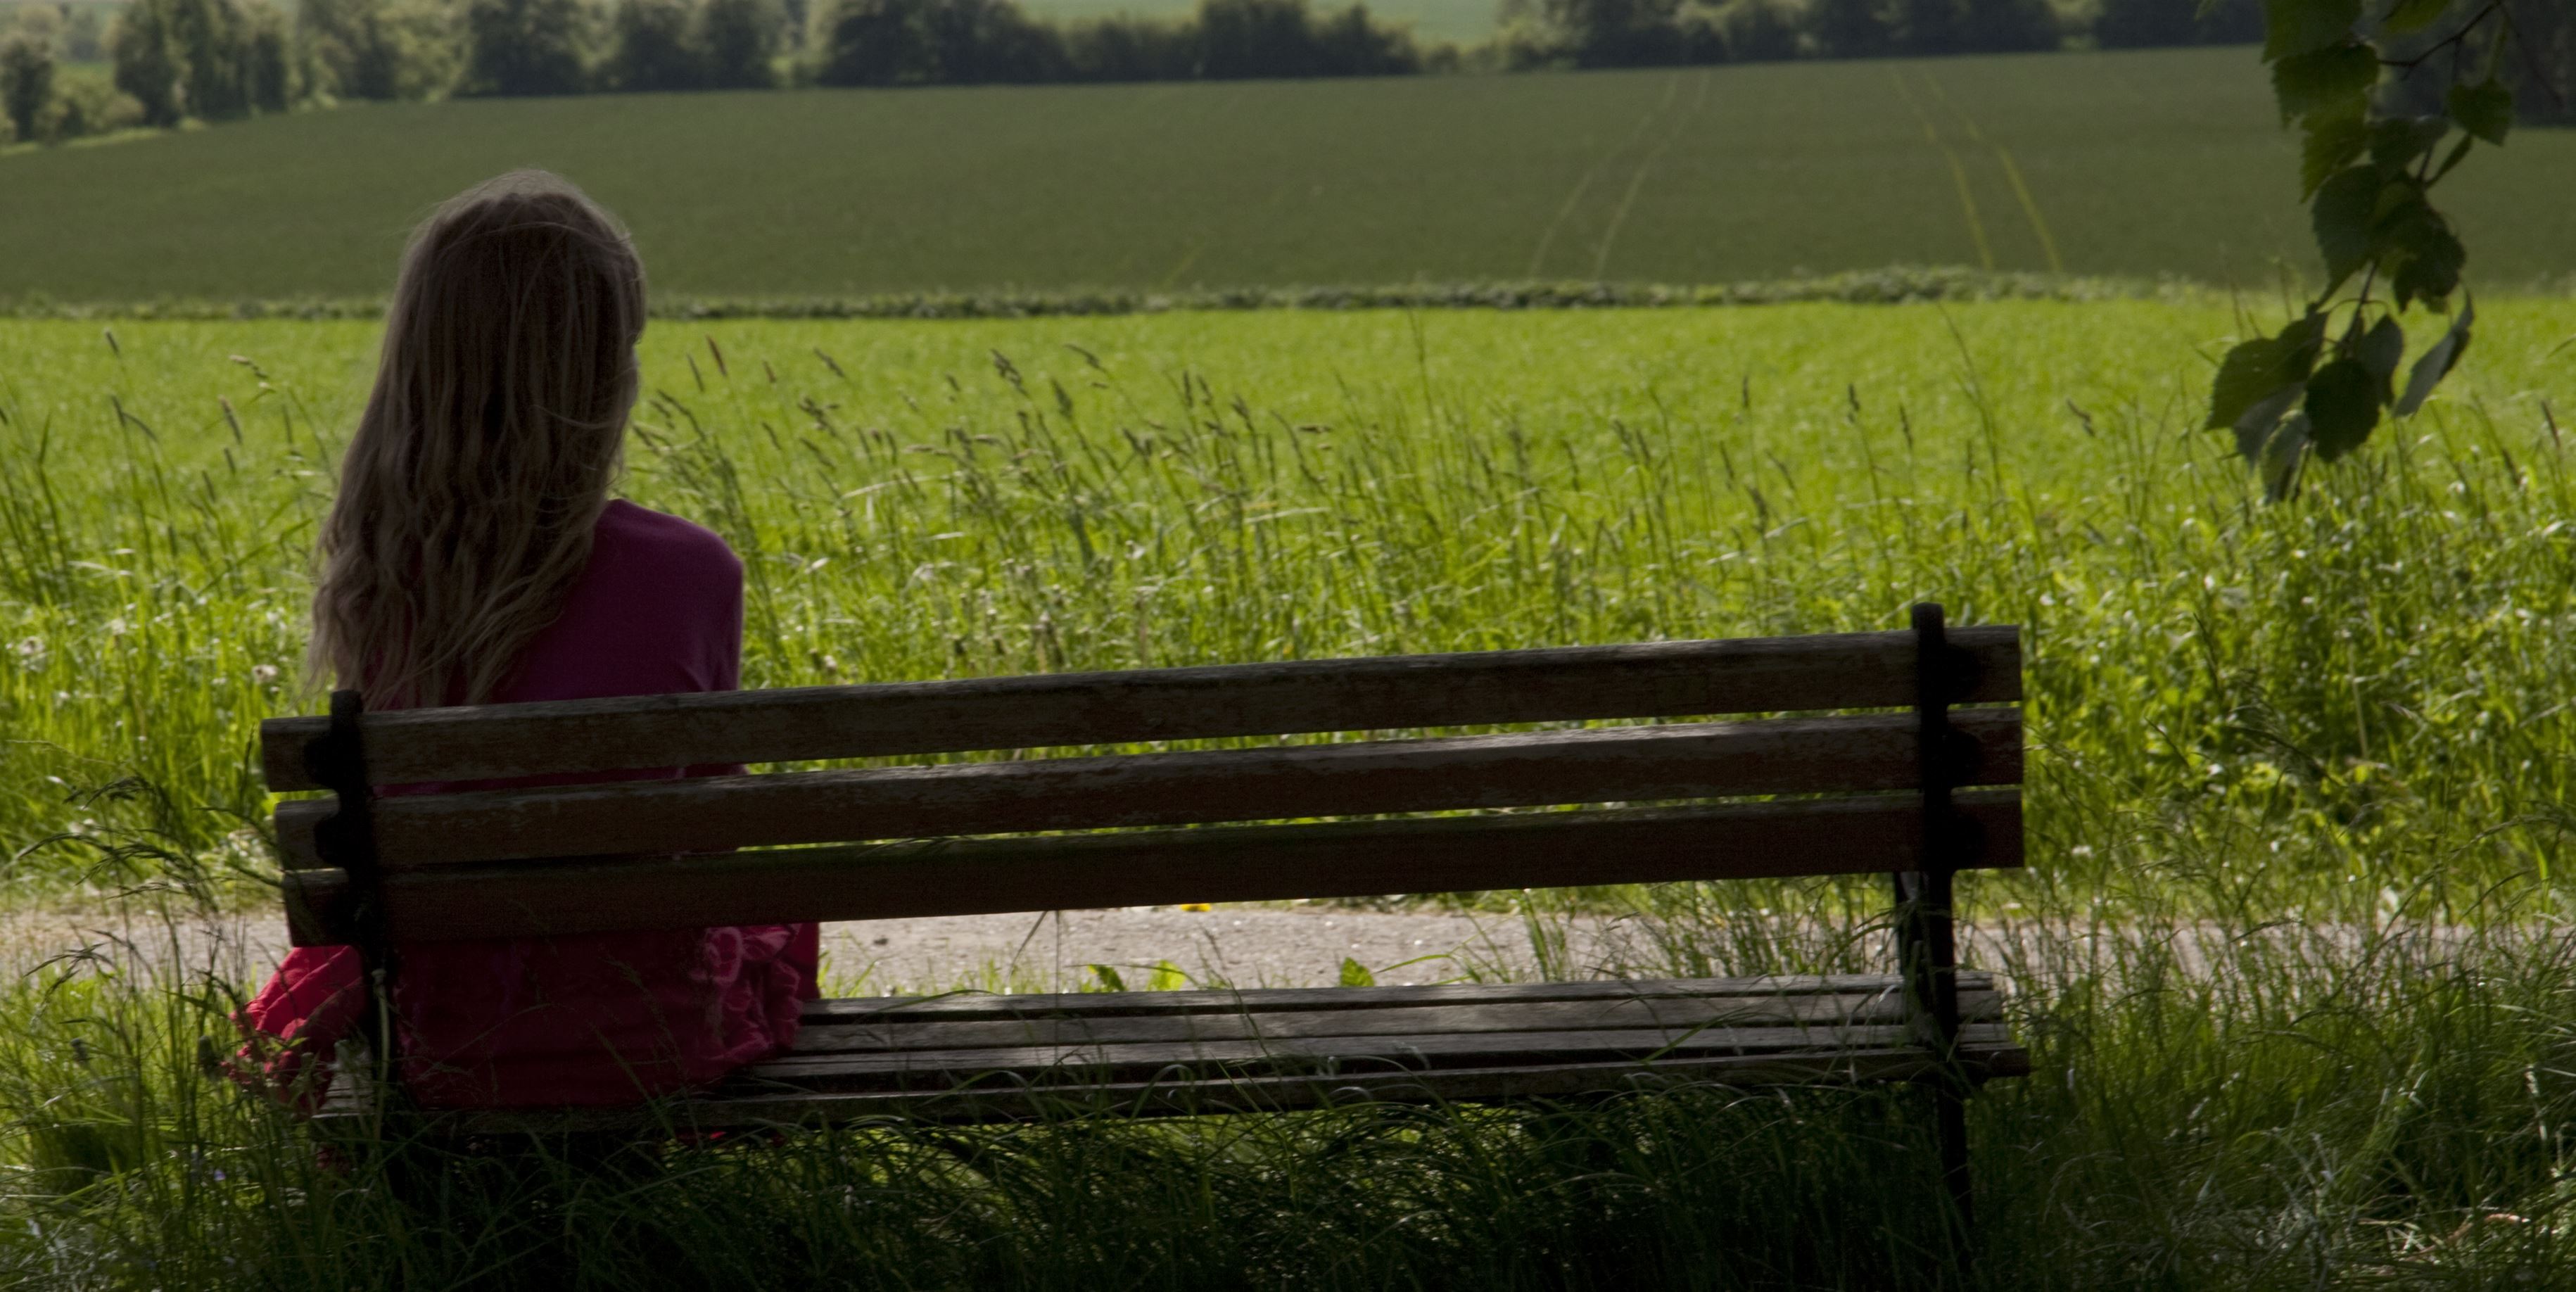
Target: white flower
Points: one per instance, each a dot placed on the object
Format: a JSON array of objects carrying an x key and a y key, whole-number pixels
[
  {"x": 31, "y": 647},
  {"x": 263, "y": 674}
]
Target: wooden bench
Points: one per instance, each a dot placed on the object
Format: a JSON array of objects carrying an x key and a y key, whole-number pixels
[{"x": 1829, "y": 793}]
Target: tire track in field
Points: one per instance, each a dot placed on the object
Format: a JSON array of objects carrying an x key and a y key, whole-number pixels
[
  {"x": 1628, "y": 200},
  {"x": 2012, "y": 174},
  {"x": 1958, "y": 170},
  {"x": 1190, "y": 254},
  {"x": 1565, "y": 211}
]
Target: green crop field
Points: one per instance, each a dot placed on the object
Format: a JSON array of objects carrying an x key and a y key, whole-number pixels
[
  {"x": 2292, "y": 951},
  {"x": 2139, "y": 164}
]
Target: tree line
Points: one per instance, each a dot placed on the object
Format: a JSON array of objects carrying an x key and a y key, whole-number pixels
[{"x": 216, "y": 60}]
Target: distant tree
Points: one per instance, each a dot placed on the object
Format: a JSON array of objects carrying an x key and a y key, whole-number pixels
[
  {"x": 2545, "y": 81},
  {"x": 2008, "y": 26},
  {"x": 974, "y": 42},
  {"x": 1615, "y": 33},
  {"x": 2539, "y": 65},
  {"x": 84, "y": 36},
  {"x": 1924, "y": 26},
  {"x": 146, "y": 62},
  {"x": 871, "y": 42},
  {"x": 354, "y": 47},
  {"x": 209, "y": 38},
  {"x": 2142, "y": 24},
  {"x": 1759, "y": 31},
  {"x": 1125, "y": 48},
  {"x": 1255, "y": 38},
  {"x": 1849, "y": 28},
  {"x": 736, "y": 40},
  {"x": 516, "y": 48},
  {"x": 1353, "y": 43},
  {"x": 87, "y": 105},
  {"x": 649, "y": 47},
  {"x": 267, "y": 54},
  {"x": 26, "y": 83}
]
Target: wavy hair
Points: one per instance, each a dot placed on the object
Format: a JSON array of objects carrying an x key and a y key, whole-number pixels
[{"x": 488, "y": 444}]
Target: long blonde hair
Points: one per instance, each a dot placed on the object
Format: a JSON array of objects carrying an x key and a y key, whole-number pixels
[{"x": 487, "y": 447}]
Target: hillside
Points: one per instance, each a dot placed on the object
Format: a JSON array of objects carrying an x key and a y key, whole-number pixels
[{"x": 2166, "y": 162}]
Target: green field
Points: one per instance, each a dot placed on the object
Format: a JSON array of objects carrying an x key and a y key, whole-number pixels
[
  {"x": 2141, "y": 164},
  {"x": 2292, "y": 949},
  {"x": 984, "y": 498}
]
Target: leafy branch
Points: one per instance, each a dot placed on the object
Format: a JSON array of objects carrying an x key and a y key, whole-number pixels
[{"x": 2325, "y": 381}]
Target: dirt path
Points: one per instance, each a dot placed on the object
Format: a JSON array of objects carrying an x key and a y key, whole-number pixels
[{"x": 1245, "y": 947}]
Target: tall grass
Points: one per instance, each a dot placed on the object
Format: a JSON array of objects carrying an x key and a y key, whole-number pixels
[
  {"x": 2334, "y": 694},
  {"x": 2217, "y": 1104}
]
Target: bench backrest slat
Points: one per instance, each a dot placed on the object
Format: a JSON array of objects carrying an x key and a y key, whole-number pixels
[
  {"x": 1861, "y": 752},
  {"x": 1260, "y": 863},
  {"x": 1653, "y": 680}
]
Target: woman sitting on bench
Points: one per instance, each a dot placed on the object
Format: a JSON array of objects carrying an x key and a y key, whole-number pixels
[{"x": 473, "y": 556}]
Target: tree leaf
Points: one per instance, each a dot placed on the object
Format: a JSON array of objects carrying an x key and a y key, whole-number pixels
[
  {"x": 2423, "y": 255},
  {"x": 2332, "y": 143},
  {"x": 2345, "y": 209},
  {"x": 2256, "y": 370},
  {"x": 2334, "y": 81},
  {"x": 2341, "y": 408},
  {"x": 2409, "y": 16},
  {"x": 2293, "y": 27},
  {"x": 2380, "y": 351},
  {"x": 2255, "y": 428},
  {"x": 1355, "y": 974},
  {"x": 2438, "y": 361},
  {"x": 2395, "y": 142},
  {"x": 2485, "y": 110},
  {"x": 2279, "y": 459}
]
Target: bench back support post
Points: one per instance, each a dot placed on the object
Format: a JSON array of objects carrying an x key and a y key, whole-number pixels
[
  {"x": 337, "y": 759},
  {"x": 1926, "y": 941}
]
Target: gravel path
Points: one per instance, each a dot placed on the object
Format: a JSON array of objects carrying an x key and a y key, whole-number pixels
[{"x": 1238, "y": 946}]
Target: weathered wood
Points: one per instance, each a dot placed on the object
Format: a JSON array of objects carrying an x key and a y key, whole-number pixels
[
  {"x": 655, "y": 854},
  {"x": 1673, "y": 1015},
  {"x": 918, "y": 1069},
  {"x": 751, "y": 1104},
  {"x": 979, "y": 1006},
  {"x": 1525, "y": 769},
  {"x": 1262, "y": 863},
  {"x": 1404, "y": 692}
]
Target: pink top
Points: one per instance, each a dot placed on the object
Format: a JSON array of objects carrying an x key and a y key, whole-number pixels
[{"x": 600, "y": 1018}]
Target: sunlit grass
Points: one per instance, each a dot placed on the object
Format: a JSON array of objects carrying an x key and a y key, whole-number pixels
[{"x": 2361, "y": 682}]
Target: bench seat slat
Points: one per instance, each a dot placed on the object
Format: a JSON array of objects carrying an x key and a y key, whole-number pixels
[
  {"x": 1140, "y": 1059},
  {"x": 1258, "y": 863},
  {"x": 970, "y": 1006},
  {"x": 1526, "y": 769},
  {"x": 1675, "y": 1015},
  {"x": 759, "y": 1108},
  {"x": 1651, "y": 680}
]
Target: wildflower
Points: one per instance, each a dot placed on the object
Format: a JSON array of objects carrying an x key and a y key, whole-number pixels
[
  {"x": 31, "y": 647},
  {"x": 263, "y": 674}
]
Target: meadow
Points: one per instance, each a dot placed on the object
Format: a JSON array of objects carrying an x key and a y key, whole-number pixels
[
  {"x": 2292, "y": 947},
  {"x": 2164, "y": 163}
]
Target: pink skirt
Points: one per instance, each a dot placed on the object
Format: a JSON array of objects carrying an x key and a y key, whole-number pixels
[{"x": 589, "y": 1019}]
